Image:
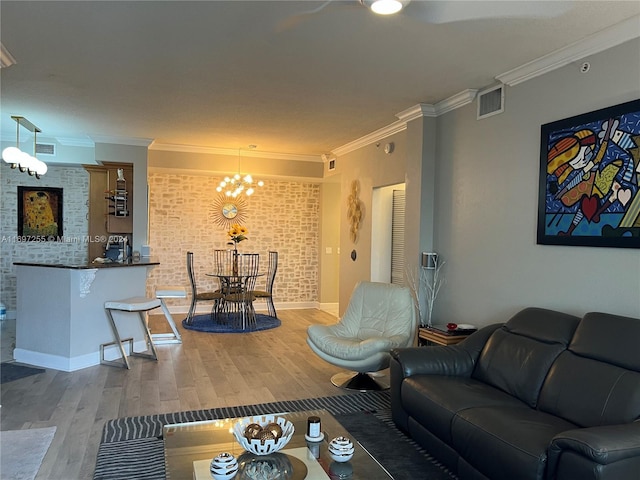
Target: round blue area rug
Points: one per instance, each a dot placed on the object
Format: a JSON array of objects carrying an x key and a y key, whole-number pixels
[{"x": 203, "y": 323}]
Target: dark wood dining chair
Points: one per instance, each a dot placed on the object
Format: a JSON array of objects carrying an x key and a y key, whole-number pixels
[
  {"x": 267, "y": 293},
  {"x": 197, "y": 296}
]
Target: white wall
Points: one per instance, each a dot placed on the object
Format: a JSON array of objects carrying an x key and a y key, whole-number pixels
[{"x": 487, "y": 198}]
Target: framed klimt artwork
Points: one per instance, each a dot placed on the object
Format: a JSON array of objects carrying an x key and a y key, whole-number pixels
[
  {"x": 40, "y": 213},
  {"x": 589, "y": 190}
]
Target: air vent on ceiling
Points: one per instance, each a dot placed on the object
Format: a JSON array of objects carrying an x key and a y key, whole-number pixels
[
  {"x": 491, "y": 102},
  {"x": 48, "y": 149}
]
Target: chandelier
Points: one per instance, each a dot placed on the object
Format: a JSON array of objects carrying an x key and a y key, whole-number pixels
[
  {"x": 16, "y": 158},
  {"x": 235, "y": 185}
]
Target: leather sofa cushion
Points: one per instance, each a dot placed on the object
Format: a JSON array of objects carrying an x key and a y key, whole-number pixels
[
  {"x": 544, "y": 325},
  {"x": 434, "y": 400},
  {"x": 608, "y": 338},
  {"x": 518, "y": 356},
  {"x": 597, "y": 380},
  {"x": 506, "y": 443},
  {"x": 590, "y": 393}
]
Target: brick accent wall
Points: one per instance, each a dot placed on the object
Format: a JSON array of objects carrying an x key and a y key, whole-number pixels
[
  {"x": 74, "y": 182},
  {"x": 282, "y": 216}
]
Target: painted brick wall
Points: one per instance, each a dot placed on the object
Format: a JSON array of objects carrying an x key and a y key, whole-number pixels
[
  {"x": 282, "y": 216},
  {"x": 75, "y": 184}
]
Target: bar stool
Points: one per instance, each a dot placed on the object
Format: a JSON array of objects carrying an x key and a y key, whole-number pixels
[
  {"x": 162, "y": 293},
  {"x": 141, "y": 305}
]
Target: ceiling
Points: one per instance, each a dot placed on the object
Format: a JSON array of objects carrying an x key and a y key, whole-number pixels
[{"x": 226, "y": 74}]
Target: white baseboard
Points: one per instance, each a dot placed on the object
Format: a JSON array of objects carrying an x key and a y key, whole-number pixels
[
  {"x": 66, "y": 364},
  {"x": 332, "y": 308}
]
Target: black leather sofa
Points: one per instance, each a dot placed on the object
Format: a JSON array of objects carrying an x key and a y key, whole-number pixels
[{"x": 544, "y": 396}]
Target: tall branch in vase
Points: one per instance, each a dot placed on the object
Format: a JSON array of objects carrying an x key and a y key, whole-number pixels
[
  {"x": 433, "y": 283},
  {"x": 414, "y": 284},
  {"x": 425, "y": 289}
]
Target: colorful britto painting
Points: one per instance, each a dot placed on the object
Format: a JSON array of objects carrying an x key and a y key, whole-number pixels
[{"x": 590, "y": 179}]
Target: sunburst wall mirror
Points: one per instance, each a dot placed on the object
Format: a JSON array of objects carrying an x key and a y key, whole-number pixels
[{"x": 225, "y": 211}]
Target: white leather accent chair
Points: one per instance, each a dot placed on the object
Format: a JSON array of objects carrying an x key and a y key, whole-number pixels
[{"x": 379, "y": 317}]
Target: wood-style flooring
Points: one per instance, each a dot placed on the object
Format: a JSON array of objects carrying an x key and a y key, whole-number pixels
[{"x": 205, "y": 371}]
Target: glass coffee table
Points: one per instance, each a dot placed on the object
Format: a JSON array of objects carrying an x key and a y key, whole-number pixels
[{"x": 190, "y": 447}]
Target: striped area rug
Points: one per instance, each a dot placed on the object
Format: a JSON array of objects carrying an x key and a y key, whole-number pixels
[{"x": 132, "y": 448}]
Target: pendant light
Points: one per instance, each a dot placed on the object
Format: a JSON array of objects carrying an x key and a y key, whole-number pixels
[{"x": 16, "y": 158}]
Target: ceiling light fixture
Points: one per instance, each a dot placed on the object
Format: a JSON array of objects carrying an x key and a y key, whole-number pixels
[
  {"x": 16, "y": 158},
  {"x": 238, "y": 184},
  {"x": 385, "y": 7}
]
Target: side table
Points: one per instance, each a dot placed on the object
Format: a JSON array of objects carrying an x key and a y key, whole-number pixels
[{"x": 440, "y": 336}]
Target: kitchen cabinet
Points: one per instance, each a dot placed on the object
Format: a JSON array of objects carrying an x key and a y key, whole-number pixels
[
  {"x": 110, "y": 204},
  {"x": 119, "y": 198}
]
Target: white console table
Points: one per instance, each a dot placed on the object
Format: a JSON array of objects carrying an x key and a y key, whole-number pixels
[{"x": 61, "y": 321}]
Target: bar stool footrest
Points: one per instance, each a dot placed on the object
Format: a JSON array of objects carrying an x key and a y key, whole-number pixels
[
  {"x": 116, "y": 363},
  {"x": 165, "y": 338}
]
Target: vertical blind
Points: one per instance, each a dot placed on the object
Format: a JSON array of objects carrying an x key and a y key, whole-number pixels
[{"x": 397, "y": 238}]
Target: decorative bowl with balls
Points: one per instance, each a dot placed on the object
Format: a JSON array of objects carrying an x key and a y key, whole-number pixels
[{"x": 263, "y": 434}]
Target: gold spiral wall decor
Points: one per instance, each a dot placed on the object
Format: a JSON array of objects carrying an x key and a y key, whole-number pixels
[{"x": 354, "y": 210}]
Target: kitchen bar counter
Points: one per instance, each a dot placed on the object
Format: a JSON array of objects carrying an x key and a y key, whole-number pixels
[
  {"x": 60, "y": 316},
  {"x": 144, "y": 262}
]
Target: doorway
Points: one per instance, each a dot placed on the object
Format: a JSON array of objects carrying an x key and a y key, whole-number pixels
[{"x": 387, "y": 234}]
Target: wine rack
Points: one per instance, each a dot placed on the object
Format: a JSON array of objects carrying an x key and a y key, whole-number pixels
[{"x": 118, "y": 198}]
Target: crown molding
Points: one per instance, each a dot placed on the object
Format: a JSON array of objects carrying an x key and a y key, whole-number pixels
[
  {"x": 233, "y": 152},
  {"x": 75, "y": 142},
  {"x": 417, "y": 111},
  {"x": 221, "y": 173},
  {"x": 373, "y": 137},
  {"x": 456, "y": 101},
  {"x": 595, "y": 43},
  {"x": 134, "y": 142}
]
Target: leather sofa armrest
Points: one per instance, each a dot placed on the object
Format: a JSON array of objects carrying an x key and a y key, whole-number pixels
[
  {"x": 458, "y": 360},
  {"x": 603, "y": 445}
]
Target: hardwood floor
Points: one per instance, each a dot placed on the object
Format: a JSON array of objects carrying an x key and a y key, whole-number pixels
[{"x": 205, "y": 371}]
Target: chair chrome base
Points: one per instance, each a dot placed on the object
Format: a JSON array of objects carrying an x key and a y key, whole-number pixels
[{"x": 362, "y": 382}]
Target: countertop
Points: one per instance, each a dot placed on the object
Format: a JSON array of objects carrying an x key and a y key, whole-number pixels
[{"x": 143, "y": 262}]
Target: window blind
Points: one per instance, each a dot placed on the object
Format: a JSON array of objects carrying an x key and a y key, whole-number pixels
[{"x": 397, "y": 238}]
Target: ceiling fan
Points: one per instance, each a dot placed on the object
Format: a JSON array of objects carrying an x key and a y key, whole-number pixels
[{"x": 439, "y": 12}]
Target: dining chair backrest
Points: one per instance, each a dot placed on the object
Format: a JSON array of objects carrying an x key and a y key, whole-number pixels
[
  {"x": 223, "y": 262},
  {"x": 248, "y": 263},
  {"x": 271, "y": 271},
  {"x": 192, "y": 278}
]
